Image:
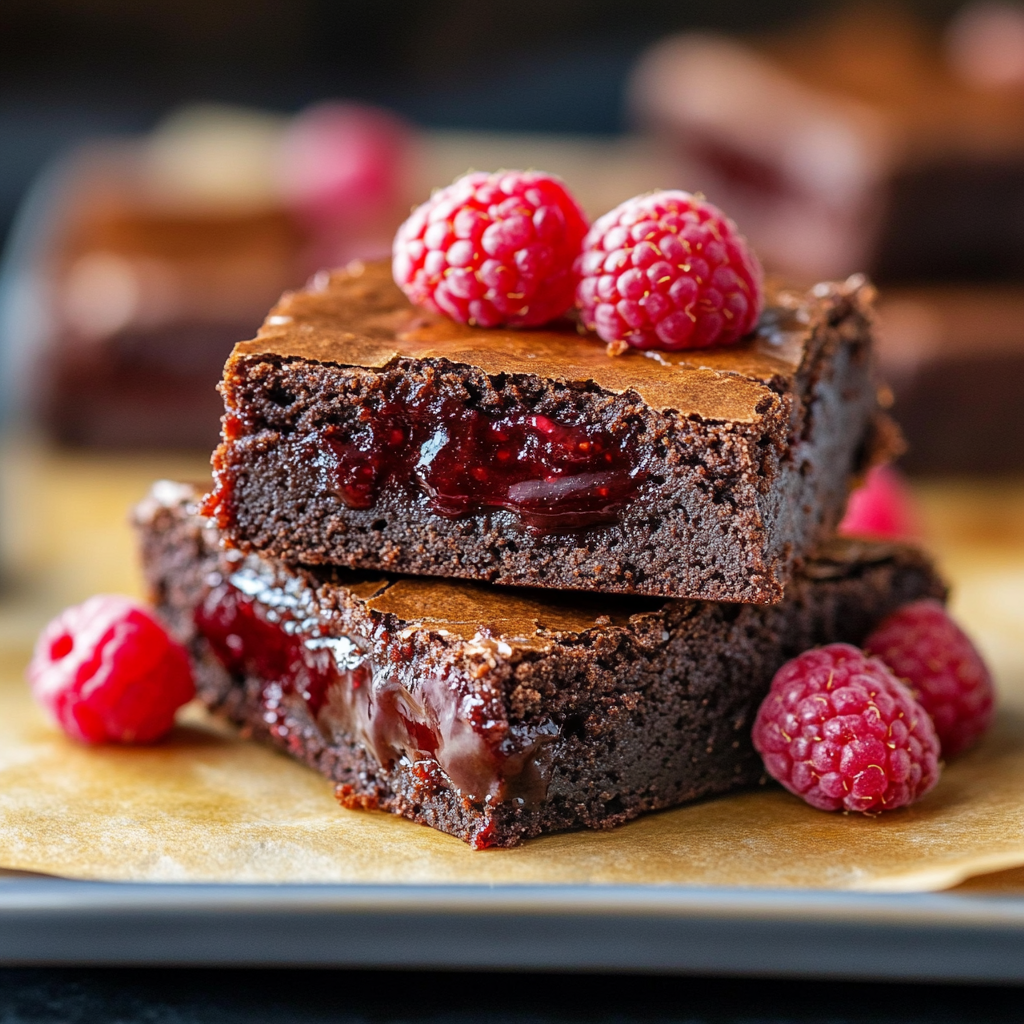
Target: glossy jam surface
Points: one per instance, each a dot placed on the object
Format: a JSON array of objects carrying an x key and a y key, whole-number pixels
[
  {"x": 371, "y": 689},
  {"x": 250, "y": 639},
  {"x": 552, "y": 476}
]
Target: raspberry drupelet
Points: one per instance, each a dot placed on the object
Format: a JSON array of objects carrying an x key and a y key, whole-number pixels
[
  {"x": 493, "y": 249},
  {"x": 929, "y": 652},
  {"x": 108, "y": 672},
  {"x": 668, "y": 270},
  {"x": 839, "y": 730}
]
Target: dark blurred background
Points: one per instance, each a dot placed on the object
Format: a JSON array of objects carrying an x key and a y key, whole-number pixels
[
  {"x": 842, "y": 137},
  {"x": 73, "y": 68}
]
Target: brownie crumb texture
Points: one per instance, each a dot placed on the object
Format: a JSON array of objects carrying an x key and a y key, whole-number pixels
[
  {"x": 347, "y": 443},
  {"x": 496, "y": 715}
]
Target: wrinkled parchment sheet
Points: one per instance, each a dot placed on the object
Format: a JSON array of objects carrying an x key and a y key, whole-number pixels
[{"x": 206, "y": 806}]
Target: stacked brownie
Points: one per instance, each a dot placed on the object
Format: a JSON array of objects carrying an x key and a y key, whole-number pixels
[{"x": 502, "y": 582}]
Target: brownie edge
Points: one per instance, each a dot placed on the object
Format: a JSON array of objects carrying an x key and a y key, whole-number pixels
[
  {"x": 497, "y": 714},
  {"x": 361, "y": 431}
]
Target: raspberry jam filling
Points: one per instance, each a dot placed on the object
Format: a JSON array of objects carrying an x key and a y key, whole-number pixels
[
  {"x": 372, "y": 690},
  {"x": 552, "y": 476}
]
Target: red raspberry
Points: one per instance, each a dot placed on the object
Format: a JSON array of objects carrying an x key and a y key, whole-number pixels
[
  {"x": 840, "y": 730},
  {"x": 493, "y": 249},
  {"x": 342, "y": 167},
  {"x": 342, "y": 163},
  {"x": 107, "y": 671},
  {"x": 929, "y": 652},
  {"x": 881, "y": 507},
  {"x": 668, "y": 270}
]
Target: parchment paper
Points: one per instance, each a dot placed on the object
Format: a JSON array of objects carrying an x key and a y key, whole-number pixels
[{"x": 205, "y": 806}]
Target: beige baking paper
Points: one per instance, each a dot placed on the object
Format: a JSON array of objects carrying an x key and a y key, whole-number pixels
[{"x": 205, "y": 806}]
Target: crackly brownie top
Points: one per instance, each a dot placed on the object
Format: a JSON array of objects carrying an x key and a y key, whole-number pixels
[
  {"x": 359, "y": 317},
  {"x": 531, "y": 619}
]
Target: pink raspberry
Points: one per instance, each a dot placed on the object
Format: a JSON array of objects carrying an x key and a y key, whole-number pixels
[
  {"x": 342, "y": 163},
  {"x": 107, "y": 671},
  {"x": 881, "y": 507},
  {"x": 929, "y": 652},
  {"x": 493, "y": 249},
  {"x": 668, "y": 270},
  {"x": 840, "y": 730}
]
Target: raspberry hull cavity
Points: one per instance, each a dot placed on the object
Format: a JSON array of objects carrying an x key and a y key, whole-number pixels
[
  {"x": 839, "y": 730},
  {"x": 931, "y": 654},
  {"x": 668, "y": 270},
  {"x": 108, "y": 672},
  {"x": 492, "y": 250}
]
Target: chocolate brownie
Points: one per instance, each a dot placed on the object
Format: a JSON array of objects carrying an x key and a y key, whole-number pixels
[
  {"x": 856, "y": 140},
  {"x": 954, "y": 357},
  {"x": 498, "y": 714},
  {"x": 362, "y": 431},
  {"x": 145, "y": 294}
]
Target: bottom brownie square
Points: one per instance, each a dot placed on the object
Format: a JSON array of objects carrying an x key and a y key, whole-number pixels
[{"x": 490, "y": 713}]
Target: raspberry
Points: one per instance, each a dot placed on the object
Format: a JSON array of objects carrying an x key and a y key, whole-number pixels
[
  {"x": 929, "y": 652},
  {"x": 107, "y": 671},
  {"x": 668, "y": 270},
  {"x": 342, "y": 163},
  {"x": 840, "y": 730},
  {"x": 493, "y": 249},
  {"x": 882, "y": 507}
]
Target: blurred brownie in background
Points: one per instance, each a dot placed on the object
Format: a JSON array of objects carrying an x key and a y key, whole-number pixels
[
  {"x": 149, "y": 297},
  {"x": 154, "y": 256},
  {"x": 867, "y": 141},
  {"x": 954, "y": 357},
  {"x": 863, "y": 141}
]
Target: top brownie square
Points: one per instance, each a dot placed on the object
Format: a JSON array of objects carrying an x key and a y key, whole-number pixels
[{"x": 363, "y": 431}]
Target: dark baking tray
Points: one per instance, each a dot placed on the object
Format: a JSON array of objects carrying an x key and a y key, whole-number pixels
[{"x": 928, "y": 936}]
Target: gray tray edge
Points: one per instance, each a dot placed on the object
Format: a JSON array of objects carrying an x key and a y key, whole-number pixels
[{"x": 926, "y": 936}]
